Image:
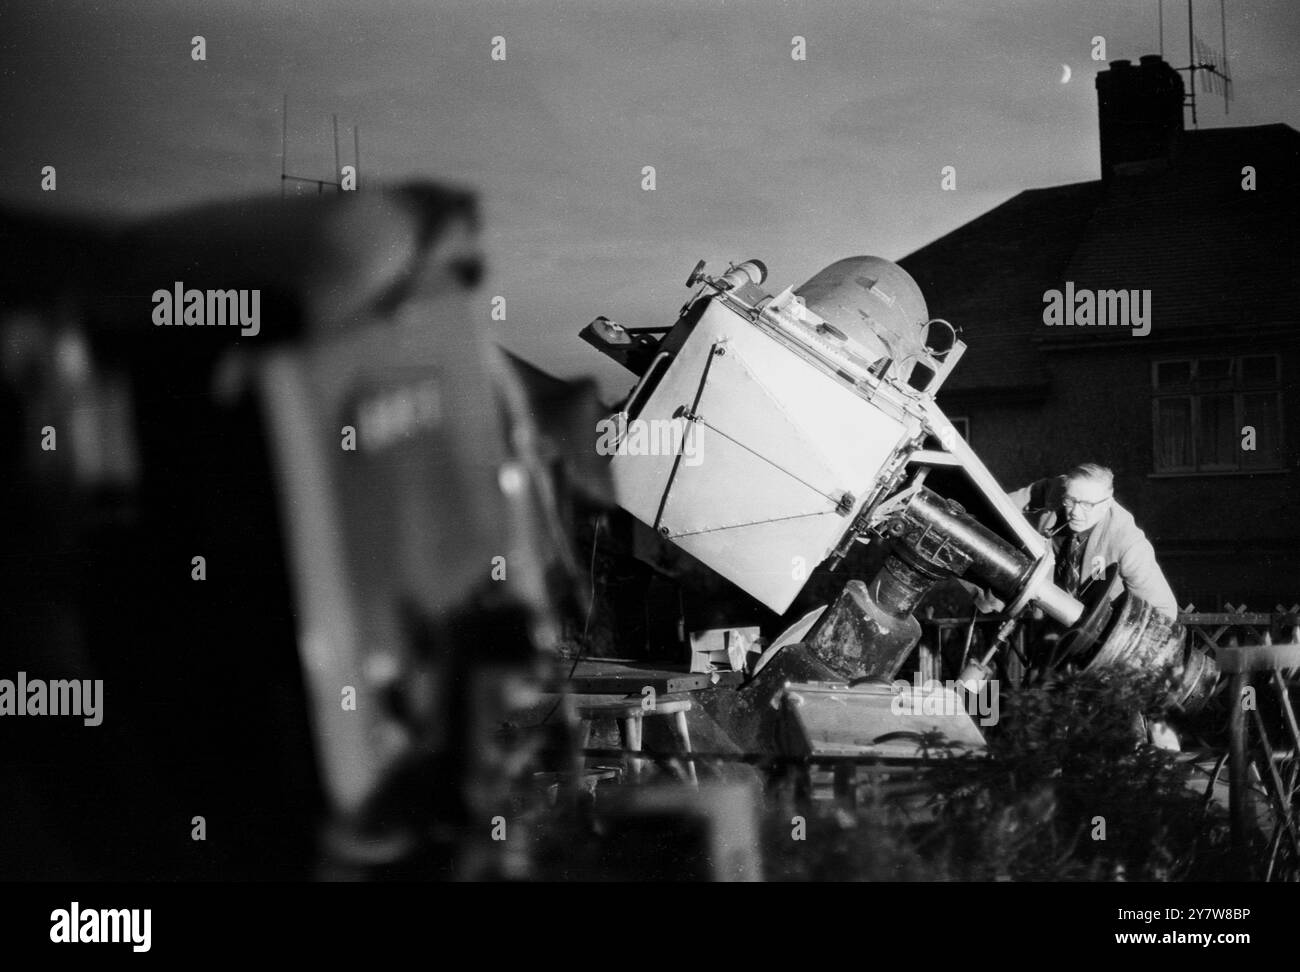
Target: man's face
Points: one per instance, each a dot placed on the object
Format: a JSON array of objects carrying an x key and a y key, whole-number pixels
[{"x": 1085, "y": 502}]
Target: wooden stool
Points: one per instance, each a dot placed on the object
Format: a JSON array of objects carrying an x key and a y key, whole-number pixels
[{"x": 628, "y": 713}]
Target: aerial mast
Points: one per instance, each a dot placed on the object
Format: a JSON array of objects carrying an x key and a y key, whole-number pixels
[
  {"x": 1204, "y": 59},
  {"x": 320, "y": 184}
]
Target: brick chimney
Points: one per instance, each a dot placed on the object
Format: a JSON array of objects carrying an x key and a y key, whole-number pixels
[{"x": 1140, "y": 110}]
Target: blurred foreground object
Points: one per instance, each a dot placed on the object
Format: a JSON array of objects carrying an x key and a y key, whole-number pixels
[{"x": 318, "y": 559}]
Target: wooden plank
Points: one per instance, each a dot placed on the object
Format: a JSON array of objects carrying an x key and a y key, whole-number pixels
[
  {"x": 1228, "y": 618},
  {"x": 1257, "y": 658},
  {"x": 1237, "y": 773},
  {"x": 633, "y": 684},
  {"x": 599, "y": 677}
]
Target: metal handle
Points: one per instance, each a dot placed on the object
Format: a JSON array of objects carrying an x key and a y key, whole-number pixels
[{"x": 640, "y": 385}]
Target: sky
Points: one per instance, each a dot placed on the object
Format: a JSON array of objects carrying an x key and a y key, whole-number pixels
[{"x": 796, "y": 162}]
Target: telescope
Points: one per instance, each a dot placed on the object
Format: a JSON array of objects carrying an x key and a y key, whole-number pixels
[{"x": 812, "y": 424}]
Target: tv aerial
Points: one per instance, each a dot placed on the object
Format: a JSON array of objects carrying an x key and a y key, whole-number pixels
[
  {"x": 1202, "y": 59},
  {"x": 337, "y": 181}
]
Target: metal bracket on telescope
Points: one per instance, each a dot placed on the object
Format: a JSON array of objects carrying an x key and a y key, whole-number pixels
[{"x": 934, "y": 457}]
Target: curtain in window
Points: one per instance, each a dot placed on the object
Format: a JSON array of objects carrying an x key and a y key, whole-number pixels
[
  {"x": 1173, "y": 433},
  {"x": 1220, "y": 440}
]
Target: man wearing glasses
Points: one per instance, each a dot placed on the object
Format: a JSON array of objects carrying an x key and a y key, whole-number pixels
[{"x": 1090, "y": 531}]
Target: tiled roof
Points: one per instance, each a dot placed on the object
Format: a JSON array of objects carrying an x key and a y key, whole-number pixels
[{"x": 1213, "y": 255}]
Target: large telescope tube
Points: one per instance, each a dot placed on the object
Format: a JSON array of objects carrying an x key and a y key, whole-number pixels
[{"x": 939, "y": 531}]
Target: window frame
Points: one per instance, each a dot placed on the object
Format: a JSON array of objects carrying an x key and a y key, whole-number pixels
[{"x": 1194, "y": 390}]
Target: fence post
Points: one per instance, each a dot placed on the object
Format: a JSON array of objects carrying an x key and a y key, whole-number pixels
[{"x": 1237, "y": 769}]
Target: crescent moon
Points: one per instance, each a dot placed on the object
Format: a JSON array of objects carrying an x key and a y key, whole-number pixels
[{"x": 1065, "y": 77}]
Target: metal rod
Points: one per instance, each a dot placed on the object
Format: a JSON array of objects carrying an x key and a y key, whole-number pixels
[
  {"x": 1274, "y": 845},
  {"x": 1276, "y": 842},
  {"x": 1191, "y": 60},
  {"x": 284, "y": 140},
  {"x": 1161, "y": 8},
  {"x": 970, "y": 639},
  {"x": 317, "y": 182},
  {"x": 356, "y": 155},
  {"x": 717, "y": 350},
  {"x": 1288, "y": 713},
  {"x": 1282, "y": 807},
  {"x": 1223, "y": 33},
  {"x": 337, "y": 173},
  {"x": 1214, "y": 778},
  {"x": 1223, "y": 37}
]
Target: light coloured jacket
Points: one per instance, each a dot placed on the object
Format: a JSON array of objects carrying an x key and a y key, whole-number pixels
[{"x": 1116, "y": 539}]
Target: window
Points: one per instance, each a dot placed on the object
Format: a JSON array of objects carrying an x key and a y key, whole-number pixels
[{"x": 1217, "y": 414}]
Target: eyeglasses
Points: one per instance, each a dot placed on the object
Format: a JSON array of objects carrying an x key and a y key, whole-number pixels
[{"x": 1069, "y": 503}]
